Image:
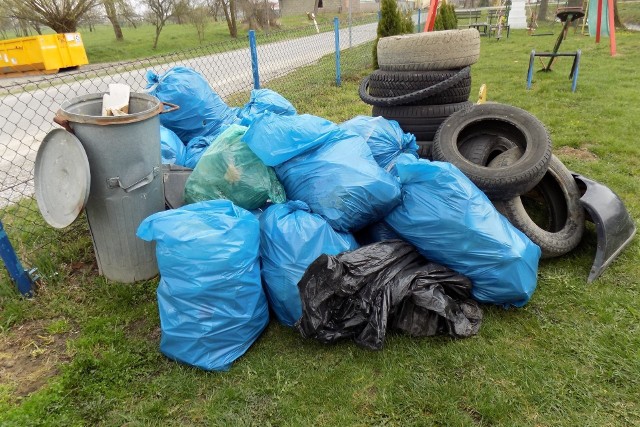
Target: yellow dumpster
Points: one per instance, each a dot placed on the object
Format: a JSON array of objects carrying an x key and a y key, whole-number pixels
[{"x": 42, "y": 54}]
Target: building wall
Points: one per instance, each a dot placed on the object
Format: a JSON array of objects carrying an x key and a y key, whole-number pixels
[
  {"x": 368, "y": 6},
  {"x": 300, "y": 7}
]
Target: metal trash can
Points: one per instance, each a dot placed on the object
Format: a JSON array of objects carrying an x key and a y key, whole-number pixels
[{"x": 125, "y": 171}]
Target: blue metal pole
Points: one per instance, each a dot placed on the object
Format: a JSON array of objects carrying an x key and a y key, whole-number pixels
[
  {"x": 532, "y": 59},
  {"x": 576, "y": 68},
  {"x": 14, "y": 267},
  {"x": 254, "y": 59},
  {"x": 336, "y": 30},
  {"x": 419, "y": 23}
]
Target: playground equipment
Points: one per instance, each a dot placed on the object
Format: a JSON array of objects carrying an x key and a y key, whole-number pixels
[{"x": 567, "y": 15}]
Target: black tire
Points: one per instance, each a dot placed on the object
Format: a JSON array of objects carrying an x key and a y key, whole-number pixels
[
  {"x": 488, "y": 121},
  {"x": 423, "y": 121},
  {"x": 482, "y": 152},
  {"x": 452, "y": 95},
  {"x": 555, "y": 202},
  {"x": 418, "y": 79},
  {"x": 397, "y": 83},
  {"x": 436, "y": 50},
  {"x": 418, "y": 95},
  {"x": 425, "y": 149}
]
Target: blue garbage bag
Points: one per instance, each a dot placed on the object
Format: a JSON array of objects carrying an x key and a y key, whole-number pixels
[
  {"x": 210, "y": 297},
  {"x": 385, "y": 138},
  {"x": 291, "y": 238},
  {"x": 201, "y": 111},
  {"x": 328, "y": 168},
  {"x": 453, "y": 223},
  {"x": 265, "y": 100},
  {"x": 172, "y": 149},
  {"x": 198, "y": 145}
]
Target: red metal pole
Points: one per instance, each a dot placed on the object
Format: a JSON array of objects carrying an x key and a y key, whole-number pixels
[
  {"x": 612, "y": 28},
  {"x": 598, "y": 21},
  {"x": 431, "y": 15}
]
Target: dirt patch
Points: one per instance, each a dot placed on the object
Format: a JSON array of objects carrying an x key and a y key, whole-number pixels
[
  {"x": 29, "y": 356},
  {"x": 140, "y": 328},
  {"x": 581, "y": 153}
]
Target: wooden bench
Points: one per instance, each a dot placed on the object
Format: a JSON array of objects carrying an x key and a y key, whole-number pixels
[{"x": 471, "y": 17}]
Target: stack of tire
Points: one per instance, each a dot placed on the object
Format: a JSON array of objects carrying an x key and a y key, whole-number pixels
[
  {"x": 423, "y": 78},
  {"x": 506, "y": 152}
]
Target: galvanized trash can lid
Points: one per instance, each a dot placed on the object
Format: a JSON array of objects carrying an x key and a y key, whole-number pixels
[{"x": 62, "y": 178}]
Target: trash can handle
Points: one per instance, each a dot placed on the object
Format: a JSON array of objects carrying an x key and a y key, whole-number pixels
[
  {"x": 58, "y": 119},
  {"x": 174, "y": 107},
  {"x": 115, "y": 182}
]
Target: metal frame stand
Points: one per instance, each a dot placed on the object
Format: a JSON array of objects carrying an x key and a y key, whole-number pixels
[{"x": 567, "y": 15}]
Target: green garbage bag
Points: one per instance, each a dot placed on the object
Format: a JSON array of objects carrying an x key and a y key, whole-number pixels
[{"x": 229, "y": 170}]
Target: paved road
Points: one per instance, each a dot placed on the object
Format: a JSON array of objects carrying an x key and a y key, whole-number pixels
[{"x": 26, "y": 117}]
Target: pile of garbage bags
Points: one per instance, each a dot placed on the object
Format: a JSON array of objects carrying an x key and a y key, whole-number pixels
[{"x": 338, "y": 230}]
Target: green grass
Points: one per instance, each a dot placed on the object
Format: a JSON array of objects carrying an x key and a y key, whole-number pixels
[
  {"x": 571, "y": 357},
  {"x": 101, "y": 45}
]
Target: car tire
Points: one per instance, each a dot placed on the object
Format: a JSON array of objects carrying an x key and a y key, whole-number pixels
[
  {"x": 486, "y": 122},
  {"x": 554, "y": 201},
  {"x": 411, "y": 97},
  {"x": 396, "y": 83},
  {"x": 421, "y": 120},
  {"x": 435, "y": 50}
]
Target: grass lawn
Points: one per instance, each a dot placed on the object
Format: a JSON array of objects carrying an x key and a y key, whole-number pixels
[
  {"x": 101, "y": 45},
  {"x": 85, "y": 351}
]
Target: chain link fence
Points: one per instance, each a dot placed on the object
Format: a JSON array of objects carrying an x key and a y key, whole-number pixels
[{"x": 294, "y": 63}]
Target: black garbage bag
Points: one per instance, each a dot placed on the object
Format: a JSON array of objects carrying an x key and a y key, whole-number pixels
[{"x": 358, "y": 294}]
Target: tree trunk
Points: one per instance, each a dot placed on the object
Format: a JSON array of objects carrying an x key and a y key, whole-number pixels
[
  {"x": 225, "y": 9},
  {"x": 112, "y": 16},
  {"x": 216, "y": 10},
  {"x": 36, "y": 26},
  {"x": 155, "y": 42},
  {"x": 234, "y": 25},
  {"x": 315, "y": 7},
  {"x": 541, "y": 14}
]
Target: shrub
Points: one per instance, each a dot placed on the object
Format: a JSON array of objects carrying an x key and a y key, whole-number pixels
[
  {"x": 391, "y": 23},
  {"x": 446, "y": 17}
]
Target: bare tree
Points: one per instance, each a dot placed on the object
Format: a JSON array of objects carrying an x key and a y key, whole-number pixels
[
  {"x": 258, "y": 14},
  {"x": 230, "y": 14},
  {"x": 112, "y": 16},
  {"x": 127, "y": 12},
  {"x": 199, "y": 18},
  {"x": 61, "y": 16},
  {"x": 182, "y": 11},
  {"x": 159, "y": 12},
  {"x": 91, "y": 19},
  {"x": 214, "y": 7}
]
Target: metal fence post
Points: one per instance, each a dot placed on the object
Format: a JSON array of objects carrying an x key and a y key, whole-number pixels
[
  {"x": 13, "y": 265},
  {"x": 336, "y": 30},
  {"x": 254, "y": 59},
  {"x": 350, "y": 42},
  {"x": 419, "y": 26}
]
